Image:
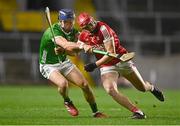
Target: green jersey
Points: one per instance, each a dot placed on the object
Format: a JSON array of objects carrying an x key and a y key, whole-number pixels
[{"x": 47, "y": 53}]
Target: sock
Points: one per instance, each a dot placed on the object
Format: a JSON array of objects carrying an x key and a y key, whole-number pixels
[
  {"x": 93, "y": 107},
  {"x": 152, "y": 88},
  {"x": 134, "y": 109},
  {"x": 67, "y": 99}
]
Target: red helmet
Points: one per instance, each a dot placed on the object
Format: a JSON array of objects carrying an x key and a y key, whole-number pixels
[{"x": 84, "y": 19}]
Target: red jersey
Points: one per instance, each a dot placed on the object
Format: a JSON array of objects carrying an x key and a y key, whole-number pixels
[{"x": 101, "y": 35}]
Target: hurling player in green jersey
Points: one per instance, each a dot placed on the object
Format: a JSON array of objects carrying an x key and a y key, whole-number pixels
[{"x": 55, "y": 66}]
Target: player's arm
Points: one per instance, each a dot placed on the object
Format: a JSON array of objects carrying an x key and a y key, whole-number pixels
[
  {"x": 71, "y": 48},
  {"x": 91, "y": 66},
  {"x": 108, "y": 44},
  {"x": 109, "y": 48},
  {"x": 84, "y": 39}
]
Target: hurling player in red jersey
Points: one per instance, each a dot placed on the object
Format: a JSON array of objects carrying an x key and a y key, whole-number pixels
[{"x": 100, "y": 36}]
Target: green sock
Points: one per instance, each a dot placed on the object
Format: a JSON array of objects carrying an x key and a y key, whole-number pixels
[
  {"x": 67, "y": 99},
  {"x": 93, "y": 107}
]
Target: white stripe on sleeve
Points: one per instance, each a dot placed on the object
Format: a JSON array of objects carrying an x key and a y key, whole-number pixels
[{"x": 105, "y": 33}]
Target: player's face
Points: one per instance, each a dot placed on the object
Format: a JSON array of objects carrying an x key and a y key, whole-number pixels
[
  {"x": 90, "y": 27},
  {"x": 67, "y": 25}
]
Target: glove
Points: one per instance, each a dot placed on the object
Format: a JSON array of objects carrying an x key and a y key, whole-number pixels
[
  {"x": 90, "y": 67},
  {"x": 84, "y": 36}
]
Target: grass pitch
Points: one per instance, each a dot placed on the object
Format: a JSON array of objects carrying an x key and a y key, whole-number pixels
[{"x": 42, "y": 105}]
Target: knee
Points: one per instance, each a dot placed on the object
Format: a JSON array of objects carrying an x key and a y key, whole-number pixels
[
  {"x": 84, "y": 85},
  {"x": 110, "y": 90},
  {"x": 63, "y": 84}
]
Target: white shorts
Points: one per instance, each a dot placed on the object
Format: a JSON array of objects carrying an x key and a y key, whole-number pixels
[
  {"x": 122, "y": 68},
  {"x": 64, "y": 68}
]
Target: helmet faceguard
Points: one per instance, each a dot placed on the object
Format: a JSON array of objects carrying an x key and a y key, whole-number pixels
[{"x": 87, "y": 22}]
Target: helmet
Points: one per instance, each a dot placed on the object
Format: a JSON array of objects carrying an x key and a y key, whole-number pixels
[
  {"x": 65, "y": 14},
  {"x": 84, "y": 19}
]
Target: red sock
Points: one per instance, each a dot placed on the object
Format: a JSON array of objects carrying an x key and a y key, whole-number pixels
[{"x": 134, "y": 109}]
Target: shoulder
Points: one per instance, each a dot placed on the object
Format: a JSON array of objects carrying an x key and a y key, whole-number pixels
[
  {"x": 57, "y": 30},
  {"x": 105, "y": 31},
  {"x": 103, "y": 26},
  {"x": 46, "y": 35},
  {"x": 56, "y": 26}
]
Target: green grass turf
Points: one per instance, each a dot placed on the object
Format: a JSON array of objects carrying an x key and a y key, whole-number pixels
[{"x": 29, "y": 105}]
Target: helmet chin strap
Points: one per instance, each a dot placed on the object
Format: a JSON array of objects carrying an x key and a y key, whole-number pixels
[{"x": 63, "y": 25}]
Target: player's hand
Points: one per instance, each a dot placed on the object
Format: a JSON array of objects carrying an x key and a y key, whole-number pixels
[
  {"x": 90, "y": 67},
  {"x": 87, "y": 48},
  {"x": 84, "y": 36},
  {"x": 58, "y": 50}
]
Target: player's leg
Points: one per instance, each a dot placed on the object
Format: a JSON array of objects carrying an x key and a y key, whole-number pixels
[
  {"x": 132, "y": 74},
  {"x": 76, "y": 77},
  {"x": 109, "y": 81},
  {"x": 52, "y": 73},
  {"x": 136, "y": 79},
  {"x": 58, "y": 79}
]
